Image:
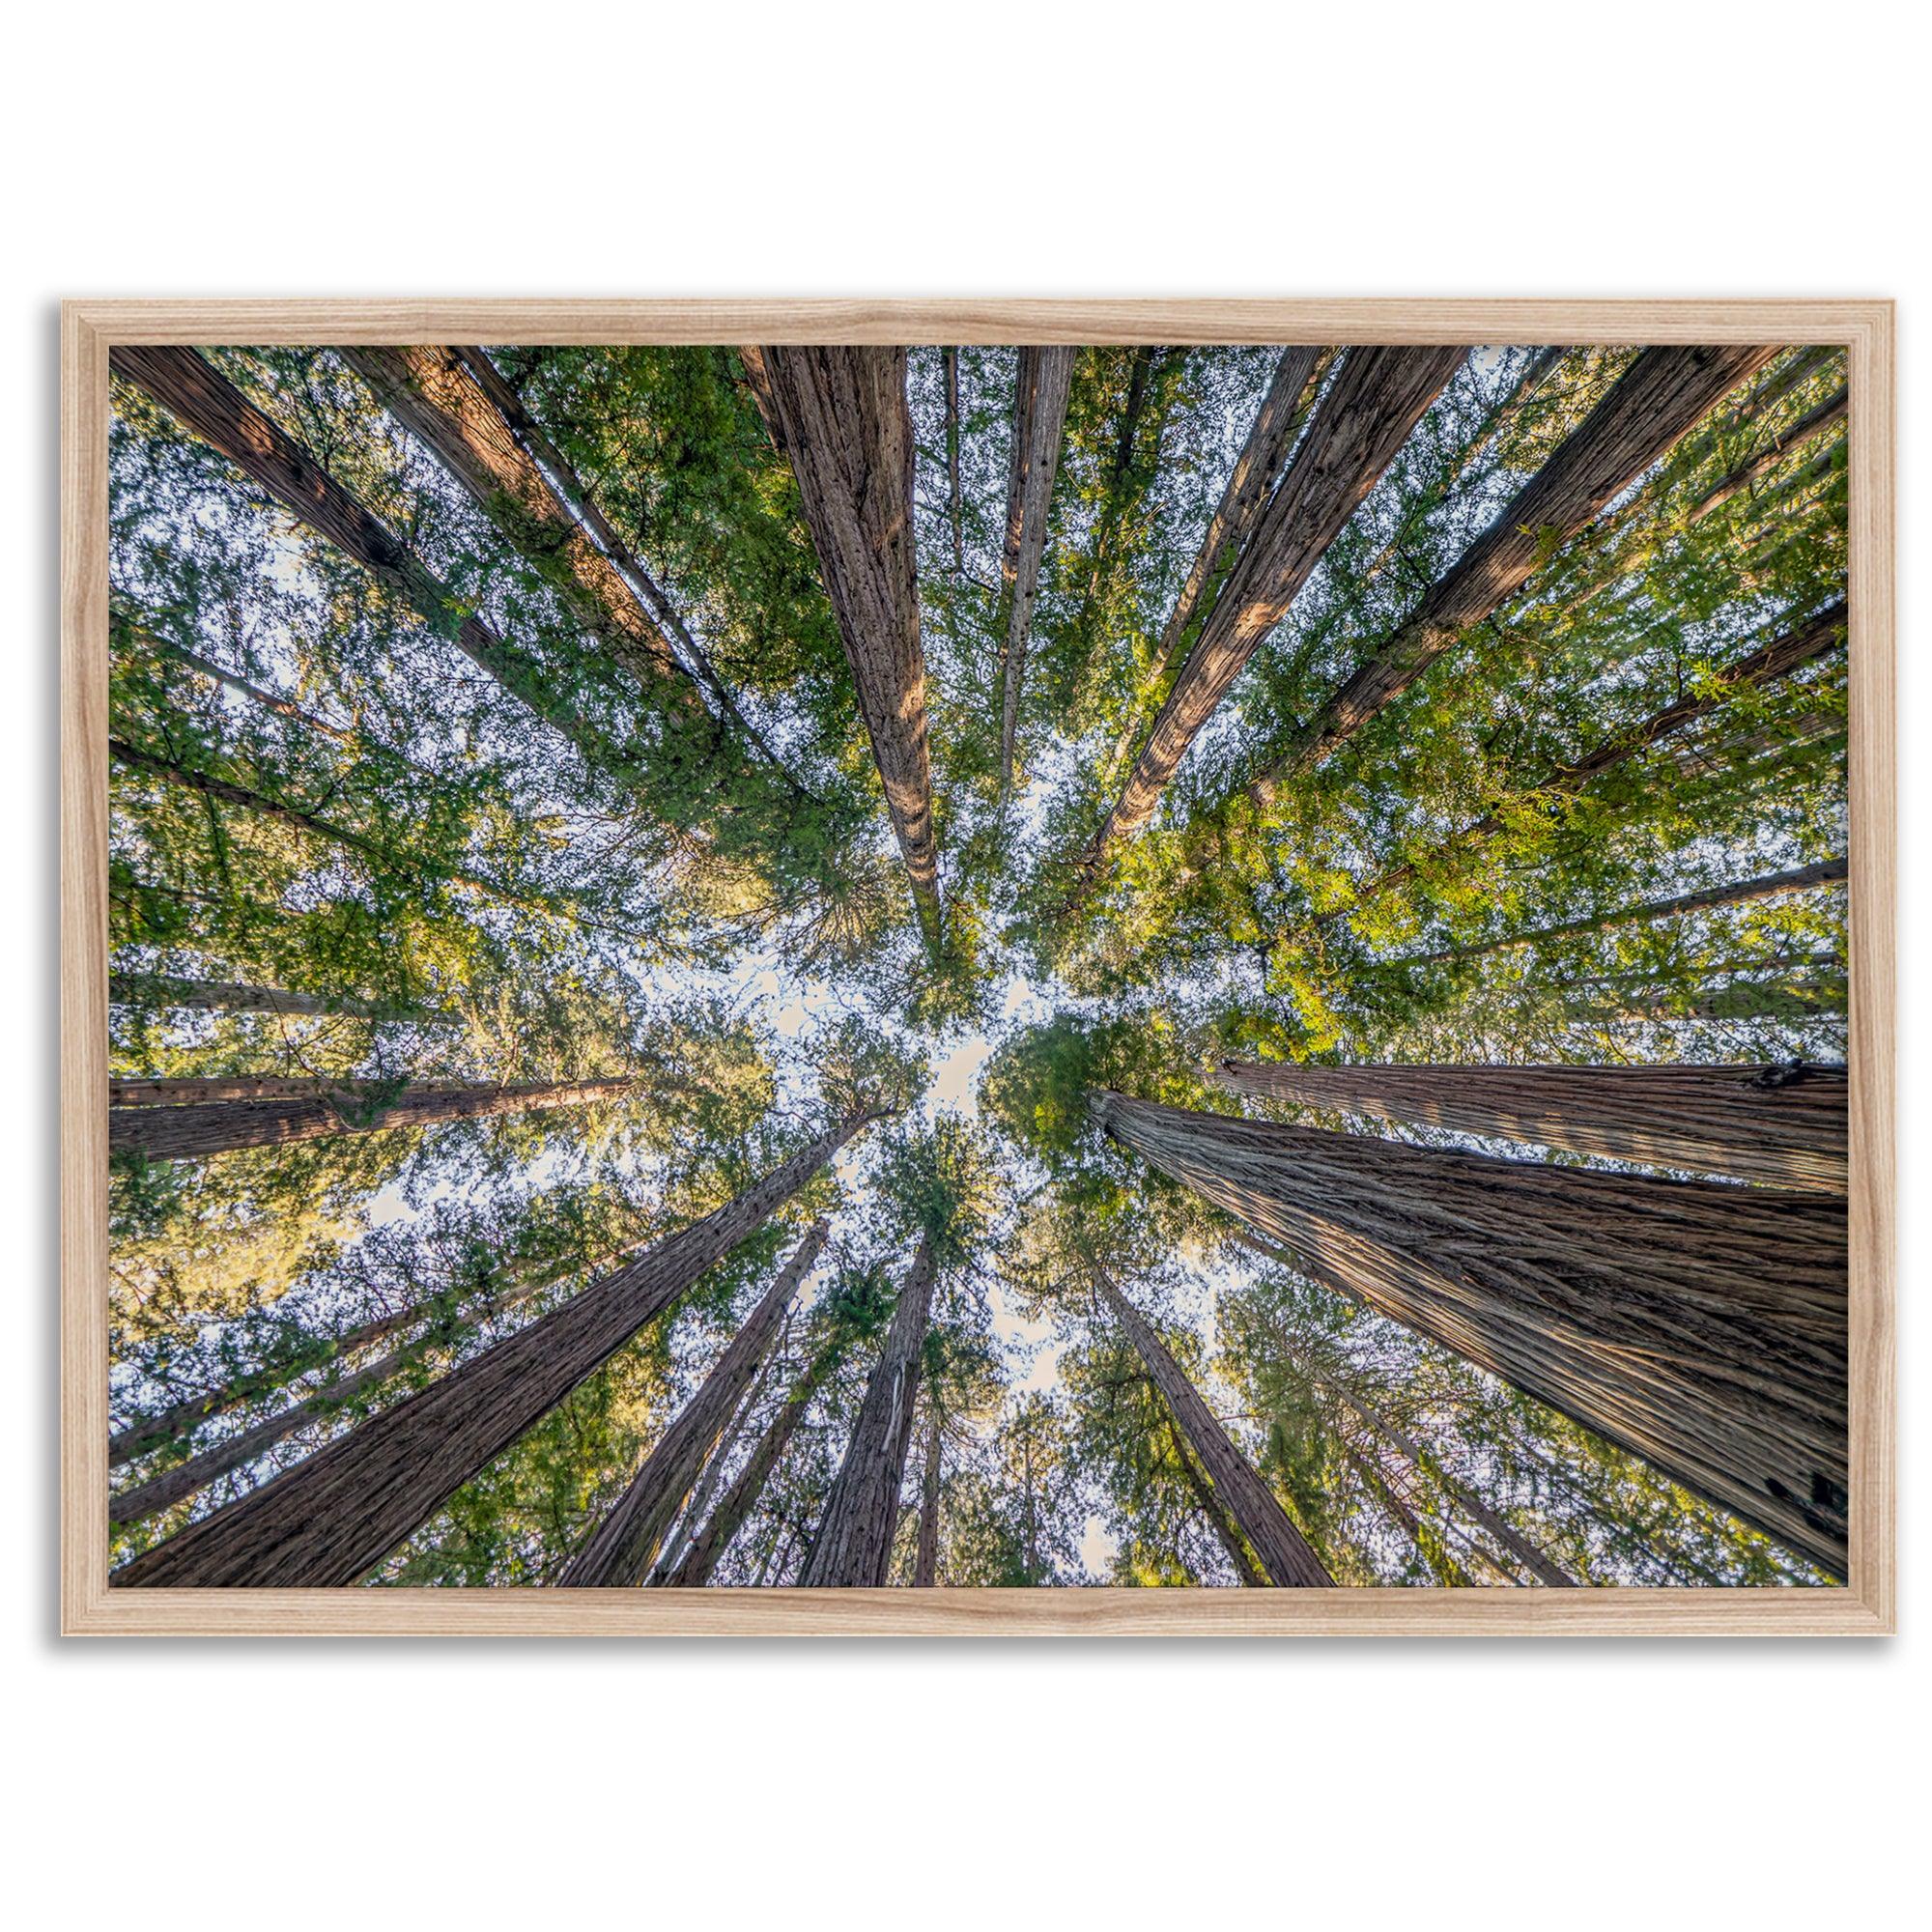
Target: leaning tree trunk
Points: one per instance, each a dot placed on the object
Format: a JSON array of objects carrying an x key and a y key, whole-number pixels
[
  {"x": 925, "y": 1566},
  {"x": 1782, "y": 1126},
  {"x": 854, "y": 1544},
  {"x": 623, "y": 1546},
  {"x": 954, "y": 500},
  {"x": 1807, "y": 426},
  {"x": 709, "y": 1542},
  {"x": 238, "y": 1451},
  {"x": 217, "y": 1127},
  {"x": 164, "y": 989},
  {"x": 1363, "y": 419},
  {"x": 840, "y": 416},
  {"x": 1657, "y": 400},
  {"x": 1041, "y": 389},
  {"x": 209, "y": 405},
  {"x": 1774, "y": 885},
  {"x": 1216, "y": 1514},
  {"x": 1700, "y": 1326},
  {"x": 1283, "y": 1550},
  {"x": 332, "y": 1518},
  {"x": 350, "y": 1090}
]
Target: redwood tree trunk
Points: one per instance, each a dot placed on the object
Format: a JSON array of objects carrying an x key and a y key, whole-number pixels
[
  {"x": 272, "y": 1087},
  {"x": 840, "y": 416},
  {"x": 925, "y": 1569},
  {"x": 1042, "y": 385},
  {"x": 1784, "y": 1127},
  {"x": 854, "y": 1544},
  {"x": 332, "y": 1518},
  {"x": 209, "y": 405},
  {"x": 1700, "y": 1326},
  {"x": 216, "y": 1126},
  {"x": 623, "y": 1546},
  {"x": 1660, "y": 396},
  {"x": 1282, "y": 1548},
  {"x": 1374, "y": 401},
  {"x": 955, "y": 501},
  {"x": 162, "y": 989},
  {"x": 1807, "y": 426},
  {"x": 1216, "y": 1515}
]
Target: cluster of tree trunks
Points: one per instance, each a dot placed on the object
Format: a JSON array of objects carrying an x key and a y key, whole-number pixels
[
  {"x": 623, "y": 1546},
  {"x": 854, "y": 1543},
  {"x": 1700, "y": 1326},
  {"x": 1657, "y": 399},
  {"x": 335, "y": 1516},
  {"x": 1783, "y": 1126},
  {"x": 840, "y": 416}
]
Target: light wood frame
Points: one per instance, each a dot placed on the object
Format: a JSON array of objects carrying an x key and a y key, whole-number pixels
[{"x": 1865, "y": 1606}]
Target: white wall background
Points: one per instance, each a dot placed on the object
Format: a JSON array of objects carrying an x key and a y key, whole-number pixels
[{"x": 1034, "y": 148}]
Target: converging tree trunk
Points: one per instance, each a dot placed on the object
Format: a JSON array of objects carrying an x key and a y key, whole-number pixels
[
  {"x": 854, "y": 1544},
  {"x": 925, "y": 1566},
  {"x": 1814, "y": 424},
  {"x": 622, "y": 1547},
  {"x": 332, "y": 1517},
  {"x": 1784, "y": 1127},
  {"x": 1374, "y": 400},
  {"x": 1283, "y": 1550},
  {"x": 840, "y": 416},
  {"x": 1660, "y": 396},
  {"x": 955, "y": 500},
  {"x": 217, "y": 1127},
  {"x": 1044, "y": 378},
  {"x": 162, "y": 989},
  {"x": 1215, "y": 1513},
  {"x": 1700, "y": 1326}
]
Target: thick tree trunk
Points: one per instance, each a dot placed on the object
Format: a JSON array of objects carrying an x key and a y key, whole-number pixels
[
  {"x": 955, "y": 501},
  {"x": 622, "y": 1547},
  {"x": 925, "y": 1567},
  {"x": 854, "y": 1544},
  {"x": 209, "y": 405},
  {"x": 709, "y": 1542},
  {"x": 1216, "y": 1515},
  {"x": 840, "y": 416},
  {"x": 1784, "y": 1127},
  {"x": 216, "y": 1126},
  {"x": 332, "y": 1517},
  {"x": 1814, "y": 423},
  {"x": 162, "y": 989},
  {"x": 1042, "y": 385},
  {"x": 1700, "y": 1326},
  {"x": 1808, "y": 642},
  {"x": 1282, "y": 1548},
  {"x": 1772, "y": 885},
  {"x": 671, "y": 1551},
  {"x": 1659, "y": 397},
  {"x": 1366, "y": 415},
  {"x": 272, "y": 1087}
]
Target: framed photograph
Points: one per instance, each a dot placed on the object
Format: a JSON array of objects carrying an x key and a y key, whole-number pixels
[{"x": 956, "y": 967}]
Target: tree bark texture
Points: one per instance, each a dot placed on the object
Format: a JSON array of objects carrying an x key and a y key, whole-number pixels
[
  {"x": 1784, "y": 1127},
  {"x": 1700, "y": 1326},
  {"x": 1257, "y": 1511},
  {"x": 1657, "y": 400},
  {"x": 1044, "y": 378},
  {"x": 854, "y": 1544},
  {"x": 1374, "y": 401},
  {"x": 332, "y": 1517},
  {"x": 840, "y": 416},
  {"x": 925, "y": 1566},
  {"x": 272, "y": 1087},
  {"x": 625, "y": 1544}
]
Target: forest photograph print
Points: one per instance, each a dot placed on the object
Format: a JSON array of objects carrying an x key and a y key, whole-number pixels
[{"x": 969, "y": 968}]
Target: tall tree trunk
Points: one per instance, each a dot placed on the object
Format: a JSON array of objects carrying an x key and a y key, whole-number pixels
[
  {"x": 163, "y": 989},
  {"x": 216, "y": 1126},
  {"x": 854, "y": 1544},
  {"x": 238, "y": 1451},
  {"x": 840, "y": 416},
  {"x": 1040, "y": 391},
  {"x": 1216, "y": 1514},
  {"x": 272, "y": 1087},
  {"x": 1657, "y": 400},
  {"x": 622, "y": 1547},
  {"x": 1771, "y": 885},
  {"x": 1798, "y": 647},
  {"x": 955, "y": 501},
  {"x": 1782, "y": 1126},
  {"x": 1376, "y": 399},
  {"x": 1698, "y": 1326},
  {"x": 209, "y": 405},
  {"x": 710, "y": 1540},
  {"x": 1814, "y": 424},
  {"x": 678, "y": 1540},
  {"x": 332, "y": 1517},
  {"x": 925, "y": 1567},
  {"x": 1282, "y": 1548}
]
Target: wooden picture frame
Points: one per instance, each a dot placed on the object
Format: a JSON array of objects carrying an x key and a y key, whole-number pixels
[{"x": 1864, "y": 1606}]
